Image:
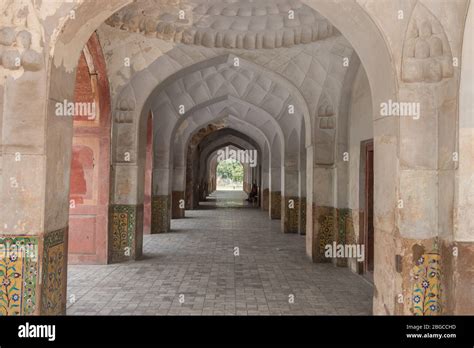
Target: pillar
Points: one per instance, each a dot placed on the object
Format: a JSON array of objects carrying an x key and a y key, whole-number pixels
[
  {"x": 126, "y": 215},
  {"x": 324, "y": 214},
  {"x": 36, "y": 160},
  {"x": 178, "y": 195},
  {"x": 161, "y": 201}
]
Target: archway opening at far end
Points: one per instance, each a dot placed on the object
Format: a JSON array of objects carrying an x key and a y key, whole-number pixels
[{"x": 229, "y": 175}]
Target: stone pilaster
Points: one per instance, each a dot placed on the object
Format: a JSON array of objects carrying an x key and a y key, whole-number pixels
[
  {"x": 34, "y": 273},
  {"x": 178, "y": 205},
  {"x": 290, "y": 221},
  {"x": 125, "y": 232},
  {"x": 275, "y": 202},
  {"x": 160, "y": 214}
]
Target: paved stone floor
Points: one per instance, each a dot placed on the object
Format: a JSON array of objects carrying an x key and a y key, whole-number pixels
[{"x": 193, "y": 271}]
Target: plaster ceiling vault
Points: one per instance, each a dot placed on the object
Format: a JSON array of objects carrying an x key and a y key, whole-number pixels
[
  {"x": 220, "y": 82},
  {"x": 235, "y": 114},
  {"x": 189, "y": 63},
  {"x": 230, "y": 24}
]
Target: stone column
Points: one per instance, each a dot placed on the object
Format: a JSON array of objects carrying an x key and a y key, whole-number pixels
[
  {"x": 36, "y": 159},
  {"x": 178, "y": 200},
  {"x": 459, "y": 249},
  {"x": 161, "y": 202},
  {"x": 125, "y": 232},
  {"x": 324, "y": 214}
]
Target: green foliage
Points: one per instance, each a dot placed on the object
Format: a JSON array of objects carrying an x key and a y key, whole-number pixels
[{"x": 230, "y": 169}]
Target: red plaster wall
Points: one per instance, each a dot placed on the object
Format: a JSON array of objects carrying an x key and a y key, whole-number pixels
[{"x": 90, "y": 167}]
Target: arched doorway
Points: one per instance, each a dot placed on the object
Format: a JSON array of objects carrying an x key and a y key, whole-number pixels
[
  {"x": 90, "y": 165},
  {"x": 229, "y": 174}
]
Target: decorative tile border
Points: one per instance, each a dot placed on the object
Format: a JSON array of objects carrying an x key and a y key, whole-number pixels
[
  {"x": 123, "y": 223},
  {"x": 160, "y": 214},
  {"x": 18, "y": 275},
  {"x": 332, "y": 225},
  {"x": 302, "y": 216},
  {"x": 325, "y": 229},
  {"x": 345, "y": 231},
  {"x": 275, "y": 209},
  {"x": 265, "y": 199},
  {"x": 53, "y": 301},
  {"x": 426, "y": 291},
  {"x": 291, "y": 219}
]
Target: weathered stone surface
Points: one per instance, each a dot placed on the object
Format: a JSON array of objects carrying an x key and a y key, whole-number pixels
[
  {"x": 31, "y": 60},
  {"x": 11, "y": 59},
  {"x": 7, "y": 36},
  {"x": 23, "y": 38}
]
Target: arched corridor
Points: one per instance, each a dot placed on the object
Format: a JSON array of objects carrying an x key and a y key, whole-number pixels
[
  {"x": 198, "y": 260},
  {"x": 351, "y": 123}
]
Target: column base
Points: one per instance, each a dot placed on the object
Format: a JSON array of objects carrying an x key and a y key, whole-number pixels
[
  {"x": 160, "y": 214},
  {"x": 323, "y": 232},
  {"x": 275, "y": 205},
  {"x": 37, "y": 283},
  {"x": 290, "y": 222},
  {"x": 265, "y": 199},
  {"x": 125, "y": 232}
]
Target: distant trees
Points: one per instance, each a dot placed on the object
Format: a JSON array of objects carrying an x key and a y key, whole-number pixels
[{"x": 230, "y": 169}]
